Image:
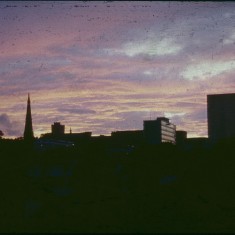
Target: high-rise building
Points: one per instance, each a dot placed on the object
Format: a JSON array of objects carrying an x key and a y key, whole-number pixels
[
  {"x": 221, "y": 116},
  {"x": 28, "y": 130},
  {"x": 159, "y": 131}
]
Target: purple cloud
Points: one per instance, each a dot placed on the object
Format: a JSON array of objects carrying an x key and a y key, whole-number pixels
[
  {"x": 9, "y": 128},
  {"x": 130, "y": 58}
]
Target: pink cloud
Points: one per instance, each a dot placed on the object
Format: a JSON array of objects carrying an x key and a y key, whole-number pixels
[{"x": 118, "y": 60}]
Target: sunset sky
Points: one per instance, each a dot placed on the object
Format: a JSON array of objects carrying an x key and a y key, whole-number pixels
[{"x": 107, "y": 66}]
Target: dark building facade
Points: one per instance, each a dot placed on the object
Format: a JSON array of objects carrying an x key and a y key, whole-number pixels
[
  {"x": 57, "y": 129},
  {"x": 159, "y": 131},
  {"x": 58, "y": 133},
  {"x": 181, "y": 137},
  {"x": 28, "y": 130},
  {"x": 128, "y": 137},
  {"x": 221, "y": 116}
]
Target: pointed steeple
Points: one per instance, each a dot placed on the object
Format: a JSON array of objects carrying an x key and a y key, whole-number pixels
[{"x": 28, "y": 130}]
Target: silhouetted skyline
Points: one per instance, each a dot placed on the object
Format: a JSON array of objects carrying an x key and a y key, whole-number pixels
[{"x": 106, "y": 66}]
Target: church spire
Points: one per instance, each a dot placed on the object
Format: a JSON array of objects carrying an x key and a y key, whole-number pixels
[{"x": 28, "y": 130}]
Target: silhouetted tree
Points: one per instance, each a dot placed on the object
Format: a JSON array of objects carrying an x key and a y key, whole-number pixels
[{"x": 1, "y": 134}]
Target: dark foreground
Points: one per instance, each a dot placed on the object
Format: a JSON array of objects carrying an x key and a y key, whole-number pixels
[{"x": 93, "y": 189}]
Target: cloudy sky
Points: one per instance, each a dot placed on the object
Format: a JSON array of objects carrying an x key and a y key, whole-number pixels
[{"x": 106, "y": 66}]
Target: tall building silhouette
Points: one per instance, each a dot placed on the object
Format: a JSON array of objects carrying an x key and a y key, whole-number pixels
[
  {"x": 57, "y": 129},
  {"x": 221, "y": 116},
  {"x": 28, "y": 130},
  {"x": 159, "y": 131}
]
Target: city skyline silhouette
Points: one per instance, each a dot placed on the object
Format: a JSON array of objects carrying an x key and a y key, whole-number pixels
[
  {"x": 117, "y": 117},
  {"x": 105, "y": 67},
  {"x": 220, "y": 110},
  {"x": 128, "y": 182}
]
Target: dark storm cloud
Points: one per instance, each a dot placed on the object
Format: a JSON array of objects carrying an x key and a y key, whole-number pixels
[{"x": 9, "y": 127}]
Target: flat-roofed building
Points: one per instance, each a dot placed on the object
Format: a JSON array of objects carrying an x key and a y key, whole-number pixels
[
  {"x": 221, "y": 116},
  {"x": 159, "y": 131},
  {"x": 128, "y": 137},
  {"x": 57, "y": 129},
  {"x": 181, "y": 137}
]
